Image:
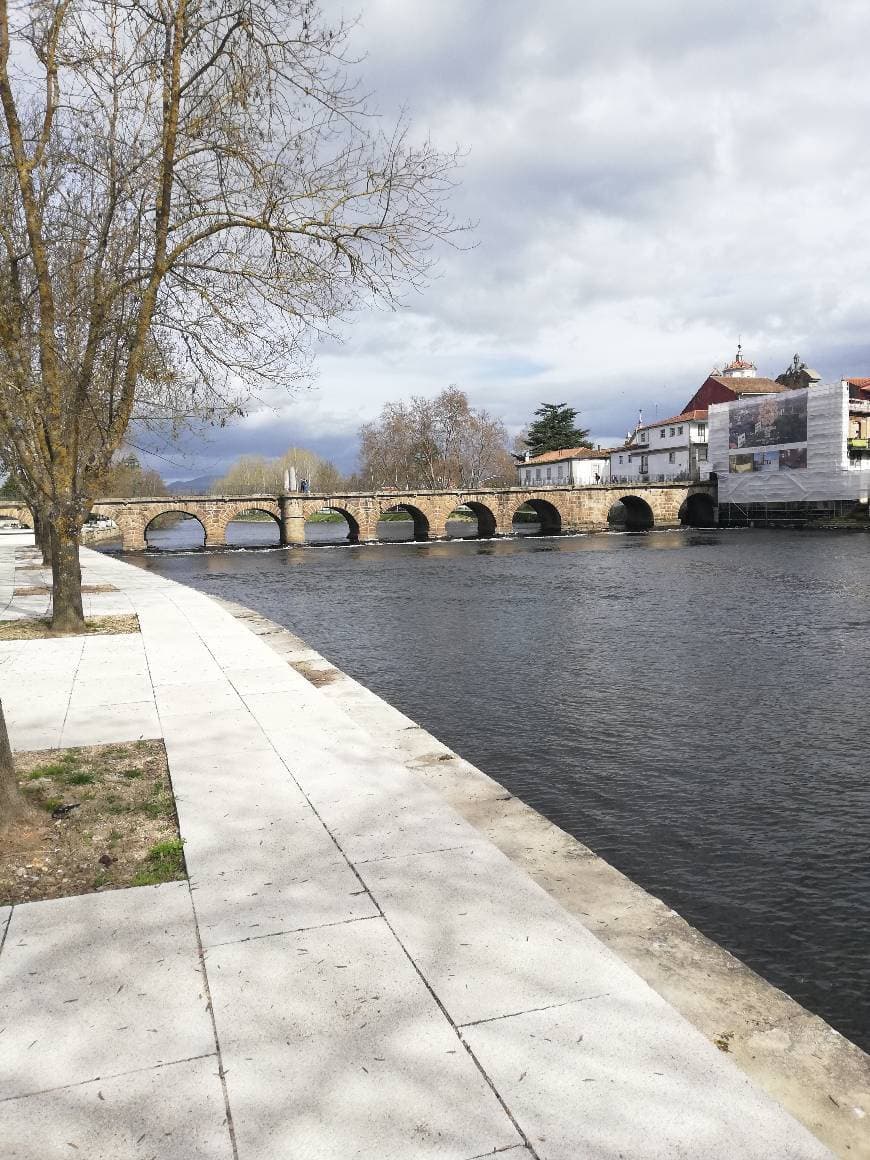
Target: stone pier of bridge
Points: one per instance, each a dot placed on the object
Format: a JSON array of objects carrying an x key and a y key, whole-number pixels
[{"x": 558, "y": 510}]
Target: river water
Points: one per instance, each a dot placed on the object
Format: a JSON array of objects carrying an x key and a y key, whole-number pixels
[{"x": 691, "y": 705}]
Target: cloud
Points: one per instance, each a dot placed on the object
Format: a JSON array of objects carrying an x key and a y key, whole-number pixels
[{"x": 649, "y": 182}]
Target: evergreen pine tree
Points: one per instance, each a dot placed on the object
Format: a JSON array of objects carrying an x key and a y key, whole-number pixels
[{"x": 555, "y": 429}]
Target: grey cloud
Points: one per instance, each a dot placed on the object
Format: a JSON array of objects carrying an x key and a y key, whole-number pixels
[{"x": 650, "y": 181}]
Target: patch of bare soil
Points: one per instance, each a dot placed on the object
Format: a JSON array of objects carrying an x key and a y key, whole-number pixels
[
  {"x": 317, "y": 677},
  {"x": 105, "y": 819},
  {"x": 37, "y": 628},
  {"x": 44, "y": 589}
]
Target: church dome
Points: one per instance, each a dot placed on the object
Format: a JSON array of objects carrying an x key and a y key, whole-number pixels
[{"x": 739, "y": 367}]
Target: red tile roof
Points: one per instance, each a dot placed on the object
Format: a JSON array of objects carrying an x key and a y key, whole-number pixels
[
  {"x": 685, "y": 417},
  {"x": 758, "y": 385},
  {"x": 568, "y": 453}
]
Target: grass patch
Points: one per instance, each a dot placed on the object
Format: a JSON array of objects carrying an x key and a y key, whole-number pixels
[
  {"x": 122, "y": 832},
  {"x": 40, "y": 627},
  {"x": 79, "y": 777},
  {"x": 164, "y": 862}
]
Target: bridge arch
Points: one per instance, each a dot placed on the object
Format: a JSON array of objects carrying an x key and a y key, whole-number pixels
[
  {"x": 630, "y": 513},
  {"x": 251, "y": 519},
  {"x": 421, "y": 520},
  {"x": 172, "y": 511},
  {"x": 486, "y": 517},
  {"x": 698, "y": 511},
  {"x": 549, "y": 516},
  {"x": 347, "y": 535}
]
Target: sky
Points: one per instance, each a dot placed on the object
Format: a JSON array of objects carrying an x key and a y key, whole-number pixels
[{"x": 649, "y": 183}]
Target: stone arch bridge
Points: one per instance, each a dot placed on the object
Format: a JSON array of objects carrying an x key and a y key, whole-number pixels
[{"x": 559, "y": 509}]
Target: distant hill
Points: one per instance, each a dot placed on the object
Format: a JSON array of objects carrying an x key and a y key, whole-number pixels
[{"x": 202, "y": 485}]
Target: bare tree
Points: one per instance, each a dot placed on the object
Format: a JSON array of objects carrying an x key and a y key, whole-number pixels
[
  {"x": 435, "y": 443},
  {"x": 188, "y": 188},
  {"x": 252, "y": 474},
  {"x": 127, "y": 477}
]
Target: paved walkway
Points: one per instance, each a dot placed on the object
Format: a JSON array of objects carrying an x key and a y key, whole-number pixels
[{"x": 353, "y": 970}]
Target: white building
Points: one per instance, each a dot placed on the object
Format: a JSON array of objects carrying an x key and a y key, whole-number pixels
[
  {"x": 782, "y": 457},
  {"x": 668, "y": 450},
  {"x": 571, "y": 467}
]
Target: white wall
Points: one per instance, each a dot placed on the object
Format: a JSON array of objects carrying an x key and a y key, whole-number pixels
[
  {"x": 827, "y": 476},
  {"x": 576, "y": 472}
]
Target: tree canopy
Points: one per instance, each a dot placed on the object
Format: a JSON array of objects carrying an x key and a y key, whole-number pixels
[
  {"x": 188, "y": 192},
  {"x": 555, "y": 428},
  {"x": 435, "y": 443}
]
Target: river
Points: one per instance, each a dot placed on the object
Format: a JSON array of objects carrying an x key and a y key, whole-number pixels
[{"x": 692, "y": 705}]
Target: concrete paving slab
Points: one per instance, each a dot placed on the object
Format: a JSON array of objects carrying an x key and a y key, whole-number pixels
[
  {"x": 105, "y": 724},
  {"x": 258, "y": 896},
  {"x": 209, "y": 700},
  {"x": 334, "y": 1048},
  {"x": 487, "y": 939},
  {"x": 110, "y": 690},
  {"x": 268, "y": 679},
  {"x": 413, "y": 820},
  {"x": 98, "y": 985},
  {"x": 175, "y": 1112},
  {"x": 34, "y": 727},
  {"x": 626, "y": 1077}
]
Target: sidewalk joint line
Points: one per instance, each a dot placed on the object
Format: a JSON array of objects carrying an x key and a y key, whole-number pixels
[
  {"x": 6, "y": 926},
  {"x": 200, "y": 951},
  {"x": 69, "y": 698},
  {"x": 458, "y": 1031},
  {"x": 496, "y": 1152},
  {"x": 232, "y": 942},
  {"x": 61, "y": 1087},
  {"x": 413, "y": 854},
  {"x": 534, "y": 1010}
]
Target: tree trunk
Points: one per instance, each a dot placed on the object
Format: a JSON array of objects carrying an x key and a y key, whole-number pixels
[
  {"x": 66, "y": 582},
  {"x": 42, "y": 536},
  {"x": 14, "y": 805}
]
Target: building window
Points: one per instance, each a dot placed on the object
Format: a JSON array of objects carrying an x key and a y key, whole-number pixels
[
  {"x": 549, "y": 474},
  {"x": 702, "y": 454},
  {"x": 528, "y": 477},
  {"x": 538, "y": 474},
  {"x": 620, "y": 459},
  {"x": 672, "y": 457},
  {"x": 702, "y": 431},
  {"x": 644, "y": 464},
  {"x": 673, "y": 432},
  {"x": 679, "y": 430},
  {"x": 644, "y": 435},
  {"x": 662, "y": 433}
]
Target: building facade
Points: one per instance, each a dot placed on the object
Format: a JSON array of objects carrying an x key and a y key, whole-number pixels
[
  {"x": 667, "y": 451},
  {"x": 794, "y": 456},
  {"x": 571, "y": 467},
  {"x": 675, "y": 449}
]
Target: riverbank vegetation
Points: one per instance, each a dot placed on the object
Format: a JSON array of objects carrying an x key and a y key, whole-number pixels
[{"x": 100, "y": 817}]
